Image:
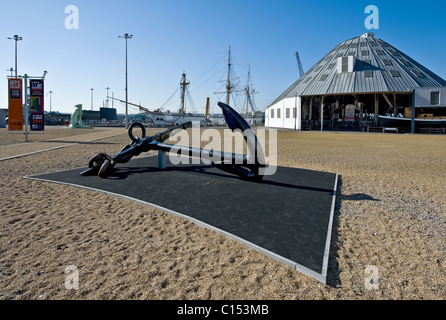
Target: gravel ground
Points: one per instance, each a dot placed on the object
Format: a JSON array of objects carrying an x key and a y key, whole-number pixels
[{"x": 389, "y": 226}]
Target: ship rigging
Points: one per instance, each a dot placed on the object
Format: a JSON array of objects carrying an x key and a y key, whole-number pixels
[{"x": 159, "y": 117}]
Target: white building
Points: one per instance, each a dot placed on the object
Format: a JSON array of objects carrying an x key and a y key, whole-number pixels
[
  {"x": 285, "y": 113},
  {"x": 358, "y": 81}
]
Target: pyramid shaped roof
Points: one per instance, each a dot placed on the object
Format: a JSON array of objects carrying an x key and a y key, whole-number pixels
[{"x": 378, "y": 67}]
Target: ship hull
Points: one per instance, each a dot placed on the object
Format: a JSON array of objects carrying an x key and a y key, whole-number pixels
[{"x": 407, "y": 122}]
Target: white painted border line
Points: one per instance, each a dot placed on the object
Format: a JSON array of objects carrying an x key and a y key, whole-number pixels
[
  {"x": 49, "y": 140},
  {"x": 329, "y": 232},
  {"x": 59, "y": 147},
  {"x": 321, "y": 277}
]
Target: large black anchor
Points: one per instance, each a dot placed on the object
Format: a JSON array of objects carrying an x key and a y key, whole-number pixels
[{"x": 248, "y": 167}]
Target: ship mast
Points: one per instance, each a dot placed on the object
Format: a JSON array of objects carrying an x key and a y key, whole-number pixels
[
  {"x": 183, "y": 84},
  {"x": 249, "y": 92},
  {"x": 229, "y": 86}
]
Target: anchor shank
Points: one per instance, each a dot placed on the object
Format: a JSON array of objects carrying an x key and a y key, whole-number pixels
[{"x": 214, "y": 156}]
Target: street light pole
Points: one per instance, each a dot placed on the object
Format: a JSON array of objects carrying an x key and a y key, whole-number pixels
[
  {"x": 25, "y": 78},
  {"x": 16, "y": 38},
  {"x": 107, "y": 100},
  {"x": 51, "y": 98},
  {"x": 126, "y": 37},
  {"x": 92, "y": 99}
]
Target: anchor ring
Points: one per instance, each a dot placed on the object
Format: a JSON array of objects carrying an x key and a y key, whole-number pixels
[
  {"x": 143, "y": 129},
  {"x": 103, "y": 172}
]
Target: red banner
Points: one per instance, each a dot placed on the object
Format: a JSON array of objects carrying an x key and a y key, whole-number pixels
[{"x": 15, "y": 111}]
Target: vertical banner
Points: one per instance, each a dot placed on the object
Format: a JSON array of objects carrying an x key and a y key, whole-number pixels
[
  {"x": 15, "y": 110},
  {"x": 36, "y": 105},
  {"x": 37, "y": 122}
]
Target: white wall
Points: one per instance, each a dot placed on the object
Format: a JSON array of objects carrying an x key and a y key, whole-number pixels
[
  {"x": 283, "y": 121},
  {"x": 423, "y": 97}
]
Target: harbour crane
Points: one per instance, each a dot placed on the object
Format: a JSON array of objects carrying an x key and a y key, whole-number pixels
[{"x": 301, "y": 70}]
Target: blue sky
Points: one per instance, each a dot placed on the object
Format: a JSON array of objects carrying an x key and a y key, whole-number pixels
[{"x": 194, "y": 35}]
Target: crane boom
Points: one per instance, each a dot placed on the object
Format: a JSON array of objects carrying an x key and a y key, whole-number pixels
[{"x": 301, "y": 70}]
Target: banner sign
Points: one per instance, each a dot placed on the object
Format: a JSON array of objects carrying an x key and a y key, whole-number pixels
[
  {"x": 37, "y": 123},
  {"x": 15, "y": 110},
  {"x": 36, "y": 104}
]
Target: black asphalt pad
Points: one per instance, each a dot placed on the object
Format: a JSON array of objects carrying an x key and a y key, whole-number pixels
[{"x": 287, "y": 216}]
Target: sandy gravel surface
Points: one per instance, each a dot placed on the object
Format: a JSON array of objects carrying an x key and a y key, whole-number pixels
[
  {"x": 390, "y": 214},
  {"x": 12, "y": 138},
  {"x": 52, "y": 139}
]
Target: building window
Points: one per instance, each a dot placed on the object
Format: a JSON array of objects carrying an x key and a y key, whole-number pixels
[
  {"x": 365, "y": 52},
  {"x": 272, "y": 113},
  {"x": 287, "y": 113},
  {"x": 344, "y": 64},
  {"x": 395, "y": 73},
  {"x": 278, "y": 113},
  {"x": 405, "y": 62},
  {"x": 387, "y": 62},
  {"x": 324, "y": 77},
  {"x": 417, "y": 73},
  {"x": 368, "y": 73},
  {"x": 294, "y": 113},
  {"x": 393, "y": 52},
  {"x": 435, "y": 98},
  {"x": 307, "y": 79}
]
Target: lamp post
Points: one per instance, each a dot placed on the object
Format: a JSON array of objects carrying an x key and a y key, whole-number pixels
[
  {"x": 126, "y": 37},
  {"x": 51, "y": 98},
  {"x": 16, "y": 38},
  {"x": 107, "y": 103},
  {"x": 92, "y": 99}
]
